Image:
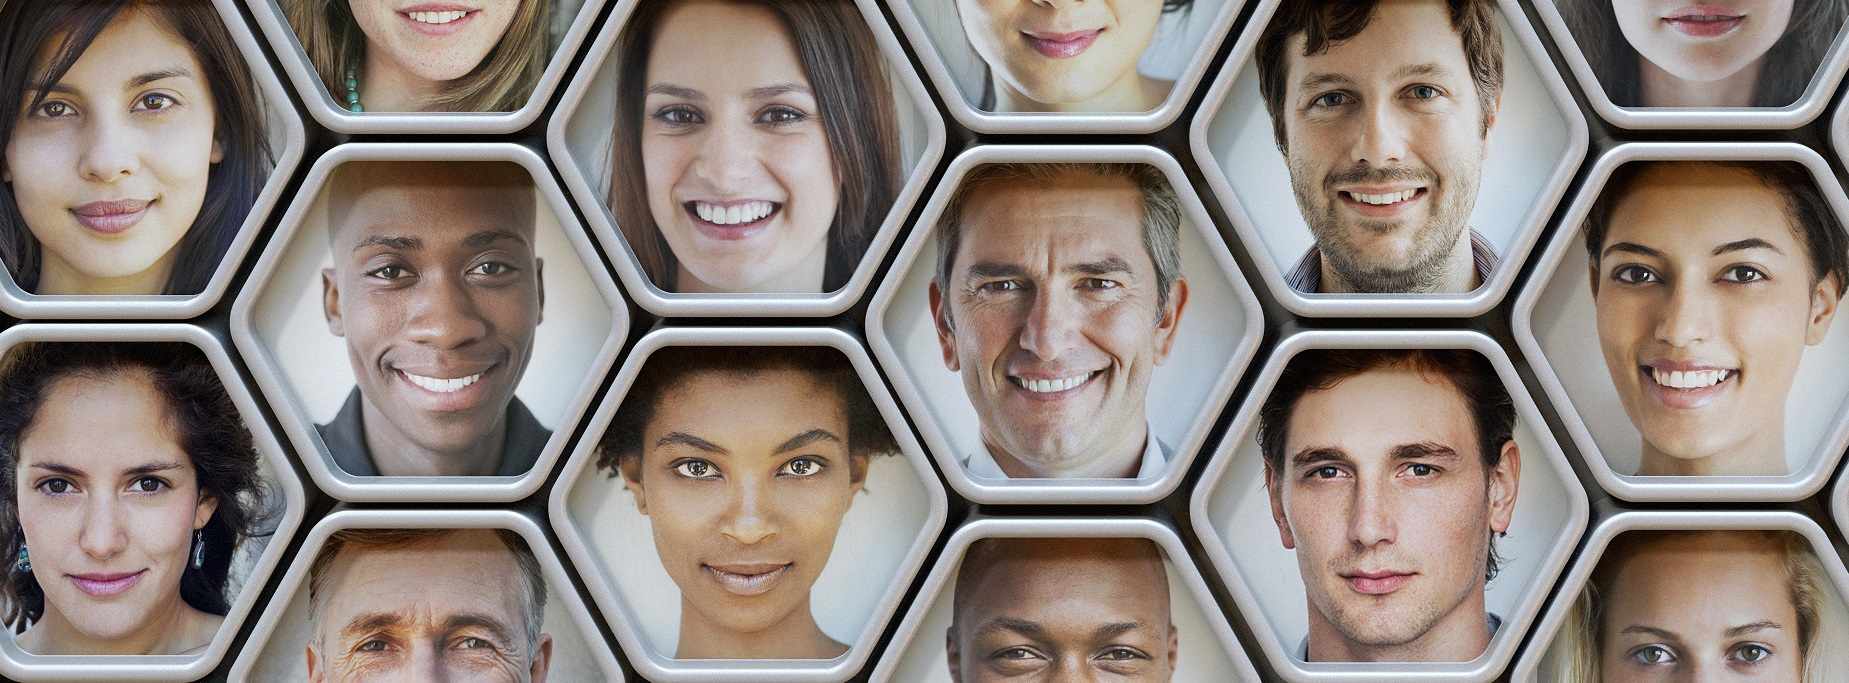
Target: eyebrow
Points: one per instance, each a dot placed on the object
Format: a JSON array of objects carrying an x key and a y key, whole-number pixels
[
  {"x": 1630, "y": 247},
  {"x": 1317, "y": 455},
  {"x": 1429, "y": 69},
  {"x": 672, "y": 90},
  {"x": 1021, "y": 626},
  {"x": 769, "y": 91},
  {"x": 1762, "y": 625},
  {"x": 390, "y": 242},
  {"x": 485, "y": 238},
  {"x": 366, "y": 622},
  {"x": 685, "y": 439},
  {"x": 1318, "y": 80},
  {"x": 136, "y": 82},
  {"x": 1423, "y": 449},
  {"x": 1742, "y": 245},
  {"x": 1104, "y": 266},
  {"x": 1651, "y": 631},
  {"x": 807, "y": 438},
  {"x": 1113, "y": 630},
  {"x": 150, "y": 468},
  {"x": 495, "y": 627}
]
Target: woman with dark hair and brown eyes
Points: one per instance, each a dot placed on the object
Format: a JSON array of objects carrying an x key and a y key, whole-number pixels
[
  {"x": 757, "y": 143},
  {"x": 1066, "y": 57},
  {"x": 1680, "y": 53},
  {"x": 134, "y": 145},
  {"x": 120, "y": 540}
]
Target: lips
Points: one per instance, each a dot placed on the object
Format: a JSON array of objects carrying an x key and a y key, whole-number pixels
[
  {"x": 1061, "y": 45},
  {"x": 111, "y": 217},
  {"x": 446, "y": 390},
  {"x": 102, "y": 585},
  {"x": 1381, "y": 582},
  {"x": 1053, "y": 387},
  {"x": 1705, "y": 21},
  {"x": 1382, "y": 202},
  {"x": 730, "y": 221},
  {"x": 1686, "y": 386},
  {"x": 438, "y": 20},
  {"x": 747, "y": 579}
]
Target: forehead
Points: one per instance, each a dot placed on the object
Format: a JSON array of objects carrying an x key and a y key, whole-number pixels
[
  {"x": 728, "y": 407},
  {"x": 1400, "y": 33},
  {"x": 437, "y": 203},
  {"x": 1076, "y": 215},
  {"x": 464, "y": 571},
  {"x": 74, "y": 404},
  {"x": 754, "y": 46},
  {"x": 1093, "y": 585},
  {"x": 1694, "y": 207},
  {"x": 1652, "y": 583},
  {"x": 1370, "y": 413},
  {"x": 134, "y": 42}
]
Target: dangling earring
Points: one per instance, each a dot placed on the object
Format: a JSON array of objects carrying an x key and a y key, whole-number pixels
[
  {"x": 198, "y": 551},
  {"x": 22, "y": 563}
]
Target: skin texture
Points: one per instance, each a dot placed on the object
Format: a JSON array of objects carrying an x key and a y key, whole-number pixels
[
  {"x": 102, "y": 504},
  {"x": 1382, "y": 475},
  {"x": 1100, "y": 78},
  {"x": 444, "y": 608},
  {"x": 405, "y": 66},
  {"x": 434, "y": 275},
  {"x": 743, "y": 476},
  {"x": 1079, "y": 609},
  {"x": 100, "y": 136},
  {"x": 1389, "y": 110},
  {"x": 1049, "y": 283},
  {"x": 1682, "y": 70},
  {"x": 730, "y": 118},
  {"x": 1666, "y": 298},
  {"x": 1657, "y": 631}
]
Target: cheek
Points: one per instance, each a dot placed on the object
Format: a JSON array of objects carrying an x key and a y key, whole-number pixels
[
  {"x": 664, "y": 161},
  {"x": 803, "y": 166},
  {"x": 683, "y": 518},
  {"x": 815, "y": 513},
  {"x": 41, "y": 166}
]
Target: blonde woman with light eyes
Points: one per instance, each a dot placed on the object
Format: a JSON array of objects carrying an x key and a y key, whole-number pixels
[{"x": 410, "y": 56}]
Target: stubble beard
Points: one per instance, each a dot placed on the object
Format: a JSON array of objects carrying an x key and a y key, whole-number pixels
[{"x": 1432, "y": 244}]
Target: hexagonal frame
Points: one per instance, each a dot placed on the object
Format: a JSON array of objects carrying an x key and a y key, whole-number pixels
[
  {"x": 322, "y": 106},
  {"x": 290, "y": 413},
  {"x": 1477, "y": 302},
  {"x": 950, "y": 562},
  {"x": 1503, "y": 646},
  {"x": 1795, "y": 486},
  {"x": 18, "y": 303},
  {"x": 1093, "y": 491},
  {"x": 558, "y": 581},
  {"x": 622, "y": 619},
  {"x": 672, "y": 304},
  {"x": 1542, "y": 639},
  {"x": 981, "y": 121},
  {"x": 1809, "y": 106},
  {"x": 16, "y": 664}
]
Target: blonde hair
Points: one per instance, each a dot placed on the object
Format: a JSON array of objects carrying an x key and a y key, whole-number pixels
[{"x": 503, "y": 80}]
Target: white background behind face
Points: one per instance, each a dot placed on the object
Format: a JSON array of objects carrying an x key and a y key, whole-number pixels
[
  {"x": 1241, "y": 512},
  {"x": 1202, "y": 657},
  {"x": 1524, "y": 146},
  {"x": 289, "y": 320},
  {"x": 1211, "y": 327},
  {"x": 880, "y": 526},
  {"x": 1566, "y": 325},
  {"x": 1179, "y": 37}
]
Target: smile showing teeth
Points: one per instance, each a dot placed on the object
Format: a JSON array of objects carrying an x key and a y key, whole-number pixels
[
  {"x": 1048, "y": 386},
  {"x": 1691, "y": 379},
  {"x": 437, "y": 17},
  {"x": 1383, "y": 199},
  {"x": 736, "y": 214},
  {"x": 442, "y": 386}
]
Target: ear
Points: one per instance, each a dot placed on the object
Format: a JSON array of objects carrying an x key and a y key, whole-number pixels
[
  {"x": 1171, "y": 318},
  {"x": 631, "y": 467},
  {"x": 1504, "y": 482},
  {"x": 952, "y": 656},
  {"x": 330, "y": 302},
  {"x": 857, "y": 472},
  {"x": 1489, "y": 117},
  {"x": 1276, "y": 491},
  {"x": 218, "y": 151},
  {"x": 202, "y": 512},
  {"x": 542, "y": 658},
  {"x": 1592, "y": 278},
  {"x": 1174, "y": 648},
  {"x": 539, "y": 280},
  {"x": 946, "y": 332},
  {"x": 314, "y": 673},
  {"x": 1824, "y": 298}
]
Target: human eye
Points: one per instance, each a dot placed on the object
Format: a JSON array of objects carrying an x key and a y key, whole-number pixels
[
  {"x": 1017, "y": 654},
  {"x": 473, "y": 643},
  {"x": 1422, "y": 470},
  {"x": 780, "y": 115},
  {"x": 1633, "y": 274},
  {"x": 805, "y": 466},
  {"x": 1424, "y": 91},
  {"x": 1750, "y": 653},
  {"x": 374, "y": 644},
  {"x": 56, "y": 486},
  {"x": 1000, "y": 286},
  {"x": 54, "y": 109},
  {"x": 695, "y": 468},
  {"x": 492, "y": 268},
  {"x": 1122, "y": 654},
  {"x": 1331, "y": 100},
  {"x": 1742, "y": 274},
  {"x": 1098, "y": 283},
  {"x": 1653, "y": 655},
  {"x": 390, "y": 272},
  {"x": 1324, "y": 472},
  {"x": 678, "y": 115},
  {"x": 148, "y": 485},
  {"x": 155, "y": 101}
]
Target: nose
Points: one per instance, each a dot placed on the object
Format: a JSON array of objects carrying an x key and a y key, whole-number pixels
[
  {"x": 103, "y": 534},
  {"x": 111, "y": 151},
  {"x": 444, "y": 314},
  {"x": 1370, "y": 518},
  {"x": 1052, "y": 323},
  {"x": 749, "y": 518},
  {"x": 1687, "y": 318},
  {"x": 427, "y": 664},
  {"x": 1380, "y": 139},
  {"x": 728, "y": 155}
]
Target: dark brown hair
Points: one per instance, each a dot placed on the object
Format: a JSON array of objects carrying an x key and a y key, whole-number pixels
[
  {"x": 1785, "y": 74},
  {"x": 233, "y": 184},
  {"x": 842, "y": 61},
  {"x": 1324, "y": 24}
]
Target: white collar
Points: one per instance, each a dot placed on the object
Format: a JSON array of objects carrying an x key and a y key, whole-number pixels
[{"x": 982, "y": 465}]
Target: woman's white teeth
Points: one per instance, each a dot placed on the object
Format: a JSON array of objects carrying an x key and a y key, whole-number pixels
[
  {"x": 1047, "y": 386},
  {"x": 1388, "y": 198},
  {"x": 742, "y": 212},
  {"x": 1690, "y": 379},
  {"x": 443, "y": 386},
  {"x": 438, "y": 17}
]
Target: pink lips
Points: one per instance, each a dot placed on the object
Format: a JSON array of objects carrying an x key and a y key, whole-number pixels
[
  {"x": 747, "y": 579},
  {"x": 1705, "y": 21},
  {"x": 111, "y": 217},
  {"x": 1062, "y": 45},
  {"x": 105, "y": 585},
  {"x": 438, "y": 29},
  {"x": 1684, "y": 399},
  {"x": 1377, "y": 583}
]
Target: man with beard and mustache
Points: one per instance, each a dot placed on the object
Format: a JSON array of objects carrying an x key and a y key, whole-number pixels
[
  {"x": 1389, "y": 473},
  {"x": 1382, "y": 110}
]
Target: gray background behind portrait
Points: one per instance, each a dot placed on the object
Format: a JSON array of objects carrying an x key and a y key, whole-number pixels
[
  {"x": 1523, "y": 149},
  {"x": 1178, "y": 39},
  {"x": 1211, "y": 326},
  {"x": 880, "y": 526},
  {"x": 1566, "y": 325}
]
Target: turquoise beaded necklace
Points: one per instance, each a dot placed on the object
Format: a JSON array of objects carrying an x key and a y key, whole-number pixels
[{"x": 353, "y": 90}]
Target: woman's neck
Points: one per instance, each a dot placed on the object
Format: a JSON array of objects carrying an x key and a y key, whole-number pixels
[
  {"x": 1660, "y": 88},
  {"x": 795, "y": 637},
  {"x": 385, "y": 86},
  {"x": 1763, "y": 455},
  {"x": 1131, "y": 93},
  {"x": 58, "y": 277},
  {"x": 176, "y": 629},
  {"x": 806, "y": 277}
]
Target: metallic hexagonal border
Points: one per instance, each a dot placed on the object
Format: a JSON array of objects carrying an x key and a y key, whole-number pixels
[
  {"x": 1542, "y": 639},
  {"x": 322, "y": 107},
  {"x": 19, "y": 303},
  {"x": 622, "y": 619},
  {"x": 1083, "y": 491},
  {"x": 951, "y": 560},
  {"x": 1503, "y": 646},
  {"x": 294, "y": 418},
  {"x": 17, "y": 664},
  {"x": 1809, "y": 106},
  {"x": 670, "y": 304},
  {"x": 1475, "y": 303},
  {"x": 1005, "y": 122},
  {"x": 1796, "y": 486},
  {"x": 558, "y": 582}
]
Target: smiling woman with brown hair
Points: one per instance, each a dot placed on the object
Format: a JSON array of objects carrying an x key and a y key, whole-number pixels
[{"x": 409, "y": 55}]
